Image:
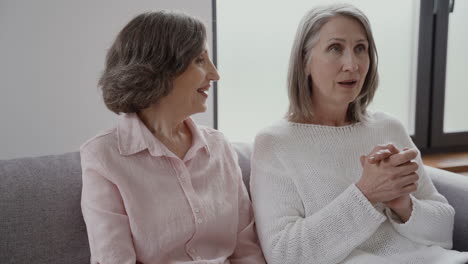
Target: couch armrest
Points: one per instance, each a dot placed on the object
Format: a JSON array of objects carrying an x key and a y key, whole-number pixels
[{"x": 455, "y": 188}]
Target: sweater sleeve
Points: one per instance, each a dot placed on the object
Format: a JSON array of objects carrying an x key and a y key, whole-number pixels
[
  {"x": 432, "y": 219},
  {"x": 286, "y": 235},
  {"x": 107, "y": 223}
]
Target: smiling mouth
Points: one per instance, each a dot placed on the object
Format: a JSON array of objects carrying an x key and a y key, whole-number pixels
[{"x": 203, "y": 92}]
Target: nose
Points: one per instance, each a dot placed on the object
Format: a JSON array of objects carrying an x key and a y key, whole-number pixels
[
  {"x": 350, "y": 62},
  {"x": 213, "y": 74}
]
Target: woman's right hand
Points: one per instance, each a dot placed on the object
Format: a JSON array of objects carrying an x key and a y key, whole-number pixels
[{"x": 389, "y": 175}]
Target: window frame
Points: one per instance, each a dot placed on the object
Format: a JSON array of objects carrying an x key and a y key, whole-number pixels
[{"x": 430, "y": 95}]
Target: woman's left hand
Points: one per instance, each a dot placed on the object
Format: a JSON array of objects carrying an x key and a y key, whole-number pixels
[{"x": 402, "y": 205}]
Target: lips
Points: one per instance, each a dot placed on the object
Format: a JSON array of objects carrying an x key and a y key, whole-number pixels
[
  {"x": 348, "y": 83},
  {"x": 204, "y": 90}
]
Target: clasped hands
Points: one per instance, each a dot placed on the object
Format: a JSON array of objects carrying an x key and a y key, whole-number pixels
[{"x": 389, "y": 176}]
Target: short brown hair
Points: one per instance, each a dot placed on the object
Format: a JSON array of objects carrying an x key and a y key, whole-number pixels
[
  {"x": 149, "y": 52},
  {"x": 300, "y": 84}
]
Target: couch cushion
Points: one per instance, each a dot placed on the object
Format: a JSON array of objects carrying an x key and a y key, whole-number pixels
[
  {"x": 40, "y": 219},
  {"x": 454, "y": 187}
]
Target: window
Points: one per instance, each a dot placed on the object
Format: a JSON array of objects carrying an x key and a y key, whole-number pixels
[
  {"x": 254, "y": 40},
  {"x": 441, "y": 113}
]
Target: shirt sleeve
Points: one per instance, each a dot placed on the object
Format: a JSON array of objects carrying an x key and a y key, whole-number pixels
[
  {"x": 247, "y": 249},
  {"x": 286, "y": 235},
  {"x": 432, "y": 219},
  {"x": 103, "y": 210}
]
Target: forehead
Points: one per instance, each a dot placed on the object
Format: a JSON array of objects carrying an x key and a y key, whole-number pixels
[{"x": 342, "y": 27}]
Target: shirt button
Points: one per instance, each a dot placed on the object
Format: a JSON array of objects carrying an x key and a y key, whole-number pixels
[
  {"x": 197, "y": 210},
  {"x": 200, "y": 220},
  {"x": 198, "y": 258}
]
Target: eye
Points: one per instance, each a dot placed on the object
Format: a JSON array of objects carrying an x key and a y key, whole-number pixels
[
  {"x": 361, "y": 48},
  {"x": 335, "y": 48},
  {"x": 200, "y": 60}
]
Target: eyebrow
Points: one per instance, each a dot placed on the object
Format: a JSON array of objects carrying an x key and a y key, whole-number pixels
[
  {"x": 203, "y": 52},
  {"x": 343, "y": 40}
]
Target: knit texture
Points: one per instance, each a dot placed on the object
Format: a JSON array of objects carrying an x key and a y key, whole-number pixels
[{"x": 309, "y": 210}]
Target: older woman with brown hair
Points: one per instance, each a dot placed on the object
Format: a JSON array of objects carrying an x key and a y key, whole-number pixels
[
  {"x": 333, "y": 182},
  {"x": 157, "y": 188}
]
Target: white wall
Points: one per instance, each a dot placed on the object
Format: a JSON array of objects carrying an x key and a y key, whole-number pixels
[
  {"x": 51, "y": 55},
  {"x": 252, "y": 89}
]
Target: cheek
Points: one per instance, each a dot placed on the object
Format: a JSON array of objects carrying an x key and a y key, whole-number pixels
[
  {"x": 327, "y": 73},
  {"x": 324, "y": 68},
  {"x": 364, "y": 73},
  {"x": 365, "y": 66}
]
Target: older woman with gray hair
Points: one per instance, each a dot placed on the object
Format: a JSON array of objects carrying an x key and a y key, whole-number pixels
[
  {"x": 334, "y": 182},
  {"x": 157, "y": 188}
]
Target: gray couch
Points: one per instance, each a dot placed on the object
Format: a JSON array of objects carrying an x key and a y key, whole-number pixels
[{"x": 41, "y": 221}]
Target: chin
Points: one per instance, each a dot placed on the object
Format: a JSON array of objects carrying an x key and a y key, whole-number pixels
[
  {"x": 199, "y": 110},
  {"x": 203, "y": 108}
]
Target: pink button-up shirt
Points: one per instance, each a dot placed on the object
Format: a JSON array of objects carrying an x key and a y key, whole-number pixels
[{"x": 142, "y": 203}]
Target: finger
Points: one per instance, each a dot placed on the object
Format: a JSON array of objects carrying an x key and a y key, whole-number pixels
[
  {"x": 380, "y": 155},
  {"x": 381, "y": 152},
  {"x": 403, "y": 157},
  {"x": 408, "y": 179},
  {"x": 376, "y": 149},
  {"x": 410, "y": 188},
  {"x": 380, "y": 147},
  {"x": 392, "y": 148},
  {"x": 371, "y": 156},
  {"x": 406, "y": 168}
]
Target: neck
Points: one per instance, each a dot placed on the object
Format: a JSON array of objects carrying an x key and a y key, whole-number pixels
[
  {"x": 330, "y": 115},
  {"x": 163, "y": 121}
]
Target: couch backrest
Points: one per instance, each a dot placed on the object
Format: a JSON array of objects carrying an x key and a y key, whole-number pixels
[
  {"x": 40, "y": 217},
  {"x": 244, "y": 153},
  {"x": 41, "y": 220}
]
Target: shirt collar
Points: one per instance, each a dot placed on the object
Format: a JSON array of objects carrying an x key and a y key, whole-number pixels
[
  {"x": 198, "y": 140},
  {"x": 133, "y": 137}
]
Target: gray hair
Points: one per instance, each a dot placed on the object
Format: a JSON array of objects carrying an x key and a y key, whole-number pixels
[
  {"x": 149, "y": 52},
  {"x": 300, "y": 83}
]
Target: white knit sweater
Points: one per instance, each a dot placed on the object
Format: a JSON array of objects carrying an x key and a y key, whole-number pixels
[{"x": 308, "y": 209}]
